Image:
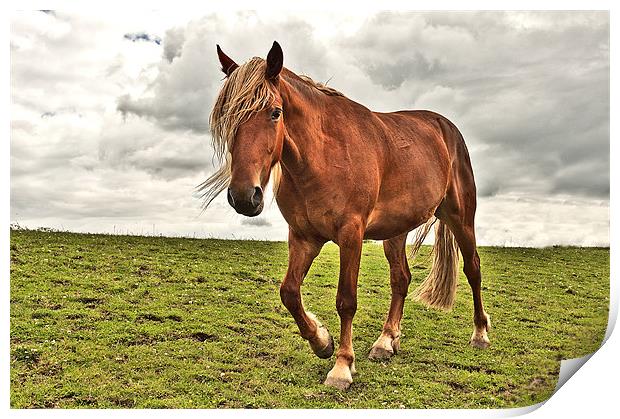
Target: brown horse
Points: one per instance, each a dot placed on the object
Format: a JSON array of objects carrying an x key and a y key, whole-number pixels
[{"x": 344, "y": 173}]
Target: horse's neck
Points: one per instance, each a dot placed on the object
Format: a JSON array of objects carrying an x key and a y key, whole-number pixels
[{"x": 304, "y": 131}]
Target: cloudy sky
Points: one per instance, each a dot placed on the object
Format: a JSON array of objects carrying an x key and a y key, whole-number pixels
[{"x": 109, "y": 114}]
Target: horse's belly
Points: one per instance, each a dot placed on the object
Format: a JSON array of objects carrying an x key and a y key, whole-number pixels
[
  {"x": 399, "y": 216},
  {"x": 409, "y": 195},
  {"x": 383, "y": 226}
]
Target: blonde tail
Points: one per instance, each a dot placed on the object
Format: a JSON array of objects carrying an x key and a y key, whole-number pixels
[{"x": 439, "y": 288}]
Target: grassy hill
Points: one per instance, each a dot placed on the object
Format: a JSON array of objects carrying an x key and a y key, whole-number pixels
[{"x": 118, "y": 321}]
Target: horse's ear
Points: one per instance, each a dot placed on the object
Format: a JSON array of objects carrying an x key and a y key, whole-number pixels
[
  {"x": 275, "y": 60},
  {"x": 228, "y": 65}
]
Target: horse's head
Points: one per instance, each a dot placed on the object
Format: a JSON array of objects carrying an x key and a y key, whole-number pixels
[{"x": 247, "y": 126}]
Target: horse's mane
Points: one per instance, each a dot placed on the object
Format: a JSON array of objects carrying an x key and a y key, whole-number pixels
[
  {"x": 329, "y": 91},
  {"x": 245, "y": 91}
]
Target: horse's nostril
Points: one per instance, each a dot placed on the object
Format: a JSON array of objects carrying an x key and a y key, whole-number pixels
[
  {"x": 257, "y": 198},
  {"x": 231, "y": 200}
]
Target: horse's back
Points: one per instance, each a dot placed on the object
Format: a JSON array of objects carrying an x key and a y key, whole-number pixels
[
  {"x": 426, "y": 122},
  {"x": 432, "y": 126}
]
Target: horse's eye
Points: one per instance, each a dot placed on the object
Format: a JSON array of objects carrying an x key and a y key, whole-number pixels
[{"x": 276, "y": 113}]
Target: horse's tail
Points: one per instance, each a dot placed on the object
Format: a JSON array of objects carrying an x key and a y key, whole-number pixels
[{"x": 438, "y": 290}]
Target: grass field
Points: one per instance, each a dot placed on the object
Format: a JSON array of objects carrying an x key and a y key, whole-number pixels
[{"x": 118, "y": 321}]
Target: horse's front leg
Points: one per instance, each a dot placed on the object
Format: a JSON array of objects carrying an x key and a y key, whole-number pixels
[
  {"x": 302, "y": 252},
  {"x": 350, "y": 242}
]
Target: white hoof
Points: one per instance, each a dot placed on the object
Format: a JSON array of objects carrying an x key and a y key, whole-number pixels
[
  {"x": 481, "y": 343},
  {"x": 480, "y": 339},
  {"x": 339, "y": 377},
  {"x": 384, "y": 348}
]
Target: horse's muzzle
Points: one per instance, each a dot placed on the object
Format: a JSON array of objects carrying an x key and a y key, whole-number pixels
[{"x": 247, "y": 202}]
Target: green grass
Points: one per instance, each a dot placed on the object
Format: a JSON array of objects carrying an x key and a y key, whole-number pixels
[{"x": 117, "y": 321}]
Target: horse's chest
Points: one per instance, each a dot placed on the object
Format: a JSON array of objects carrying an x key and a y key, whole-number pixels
[{"x": 312, "y": 214}]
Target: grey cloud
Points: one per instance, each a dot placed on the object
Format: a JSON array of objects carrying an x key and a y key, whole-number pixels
[
  {"x": 489, "y": 188},
  {"x": 142, "y": 36},
  {"x": 591, "y": 178},
  {"x": 181, "y": 111},
  {"x": 165, "y": 155},
  {"x": 392, "y": 76},
  {"x": 256, "y": 222},
  {"x": 110, "y": 194},
  {"x": 173, "y": 45}
]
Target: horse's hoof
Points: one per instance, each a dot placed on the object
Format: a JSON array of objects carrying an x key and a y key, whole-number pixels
[
  {"x": 323, "y": 343},
  {"x": 341, "y": 383},
  {"x": 338, "y": 383},
  {"x": 481, "y": 343},
  {"x": 325, "y": 352},
  {"x": 378, "y": 353},
  {"x": 384, "y": 348},
  {"x": 480, "y": 339},
  {"x": 339, "y": 377}
]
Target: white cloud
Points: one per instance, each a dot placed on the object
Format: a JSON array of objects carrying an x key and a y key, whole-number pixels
[{"x": 519, "y": 220}]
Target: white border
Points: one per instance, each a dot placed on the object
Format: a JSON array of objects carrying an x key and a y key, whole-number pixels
[{"x": 593, "y": 390}]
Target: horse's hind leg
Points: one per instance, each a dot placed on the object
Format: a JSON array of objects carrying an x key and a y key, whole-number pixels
[
  {"x": 389, "y": 342},
  {"x": 460, "y": 220},
  {"x": 302, "y": 252}
]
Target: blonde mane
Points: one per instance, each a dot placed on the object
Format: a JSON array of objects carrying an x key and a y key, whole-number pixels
[
  {"x": 245, "y": 92},
  {"x": 321, "y": 87}
]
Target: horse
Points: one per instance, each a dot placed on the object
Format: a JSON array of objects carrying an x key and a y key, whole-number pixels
[{"x": 343, "y": 173}]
